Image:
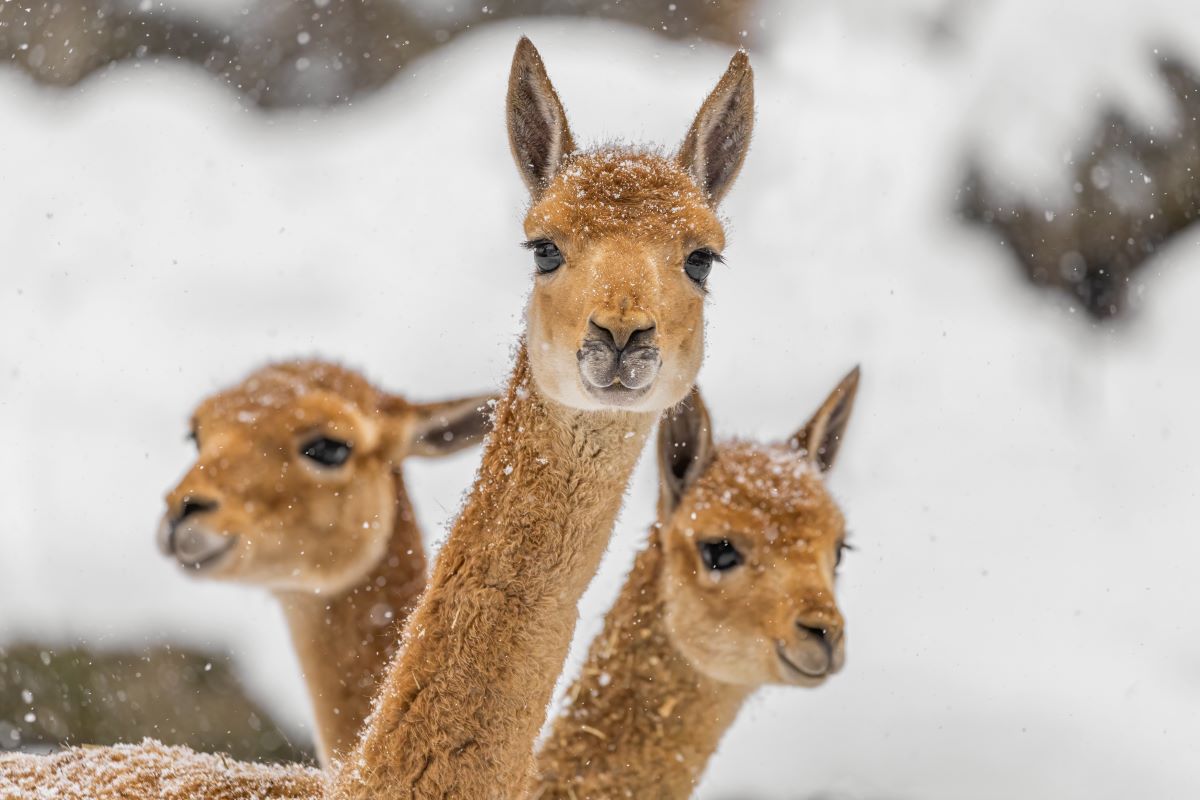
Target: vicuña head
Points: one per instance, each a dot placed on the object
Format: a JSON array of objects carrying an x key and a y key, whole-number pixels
[
  {"x": 298, "y": 489},
  {"x": 735, "y": 589},
  {"x": 294, "y": 487},
  {"x": 623, "y": 241},
  {"x": 752, "y": 540}
]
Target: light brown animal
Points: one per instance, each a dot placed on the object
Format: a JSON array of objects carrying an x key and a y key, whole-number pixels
[
  {"x": 298, "y": 488},
  {"x": 734, "y": 589},
  {"x": 622, "y": 242}
]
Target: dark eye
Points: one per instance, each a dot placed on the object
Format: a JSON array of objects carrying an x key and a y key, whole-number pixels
[
  {"x": 546, "y": 255},
  {"x": 193, "y": 438},
  {"x": 327, "y": 452},
  {"x": 719, "y": 554},
  {"x": 841, "y": 549},
  {"x": 699, "y": 264}
]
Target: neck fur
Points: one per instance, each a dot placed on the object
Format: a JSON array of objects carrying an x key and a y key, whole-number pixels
[
  {"x": 463, "y": 703},
  {"x": 640, "y": 721},
  {"x": 344, "y": 642}
]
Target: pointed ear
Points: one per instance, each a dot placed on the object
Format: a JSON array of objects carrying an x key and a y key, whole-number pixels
[
  {"x": 820, "y": 439},
  {"x": 439, "y": 429},
  {"x": 685, "y": 448},
  {"x": 537, "y": 124},
  {"x": 715, "y": 147}
]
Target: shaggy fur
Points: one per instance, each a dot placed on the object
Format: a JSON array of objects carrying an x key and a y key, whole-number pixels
[
  {"x": 640, "y": 720},
  {"x": 279, "y": 511},
  {"x": 345, "y": 642},
  {"x": 150, "y": 771},
  {"x": 465, "y": 700},
  {"x": 643, "y": 718}
]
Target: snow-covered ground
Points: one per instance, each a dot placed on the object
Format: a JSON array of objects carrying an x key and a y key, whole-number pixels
[{"x": 1022, "y": 488}]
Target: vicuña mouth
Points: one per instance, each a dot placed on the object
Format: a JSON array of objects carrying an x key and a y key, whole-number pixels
[
  {"x": 796, "y": 669},
  {"x": 618, "y": 377},
  {"x": 209, "y": 559},
  {"x": 617, "y": 393}
]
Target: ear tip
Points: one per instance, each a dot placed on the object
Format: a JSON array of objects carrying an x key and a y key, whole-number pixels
[
  {"x": 525, "y": 50},
  {"x": 740, "y": 63},
  {"x": 849, "y": 384}
]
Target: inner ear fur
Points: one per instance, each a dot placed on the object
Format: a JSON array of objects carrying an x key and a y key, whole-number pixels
[
  {"x": 821, "y": 438},
  {"x": 716, "y": 144},
  {"x": 537, "y": 125},
  {"x": 685, "y": 449},
  {"x": 445, "y": 427}
]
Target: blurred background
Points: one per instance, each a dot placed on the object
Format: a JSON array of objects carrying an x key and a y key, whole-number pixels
[{"x": 986, "y": 203}]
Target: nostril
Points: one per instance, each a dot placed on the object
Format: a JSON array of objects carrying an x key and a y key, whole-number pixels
[
  {"x": 818, "y": 633},
  {"x": 194, "y": 505},
  {"x": 601, "y": 334},
  {"x": 643, "y": 337},
  {"x": 622, "y": 336}
]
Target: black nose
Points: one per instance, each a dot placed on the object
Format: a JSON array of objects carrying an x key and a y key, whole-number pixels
[
  {"x": 621, "y": 340},
  {"x": 194, "y": 505}
]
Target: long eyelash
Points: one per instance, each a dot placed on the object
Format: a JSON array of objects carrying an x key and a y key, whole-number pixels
[
  {"x": 532, "y": 243},
  {"x": 843, "y": 548},
  {"x": 717, "y": 257}
]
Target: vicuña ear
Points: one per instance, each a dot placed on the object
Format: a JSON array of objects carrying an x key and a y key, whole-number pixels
[
  {"x": 537, "y": 124},
  {"x": 685, "y": 448},
  {"x": 439, "y": 429},
  {"x": 820, "y": 439},
  {"x": 715, "y": 147}
]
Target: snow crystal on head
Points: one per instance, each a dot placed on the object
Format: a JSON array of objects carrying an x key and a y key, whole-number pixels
[
  {"x": 771, "y": 484},
  {"x": 616, "y": 189},
  {"x": 279, "y": 386}
]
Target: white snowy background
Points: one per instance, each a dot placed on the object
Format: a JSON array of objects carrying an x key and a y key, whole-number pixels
[{"x": 1021, "y": 486}]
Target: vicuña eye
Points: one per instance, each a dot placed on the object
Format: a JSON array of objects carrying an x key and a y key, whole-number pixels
[
  {"x": 546, "y": 255},
  {"x": 719, "y": 554},
  {"x": 699, "y": 264},
  {"x": 843, "y": 546},
  {"x": 327, "y": 452}
]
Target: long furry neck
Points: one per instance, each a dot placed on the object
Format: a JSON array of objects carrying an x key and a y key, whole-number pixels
[
  {"x": 463, "y": 703},
  {"x": 639, "y": 721},
  {"x": 344, "y": 642}
]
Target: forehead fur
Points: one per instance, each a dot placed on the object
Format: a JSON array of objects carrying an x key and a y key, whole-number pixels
[
  {"x": 618, "y": 191},
  {"x": 771, "y": 484},
  {"x": 281, "y": 386}
]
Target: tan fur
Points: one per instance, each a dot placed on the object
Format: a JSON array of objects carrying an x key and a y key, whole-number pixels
[
  {"x": 462, "y": 703},
  {"x": 340, "y": 546},
  {"x": 466, "y": 698},
  {"x": 151, "y": 771},
  {"x": 681, "y": 650},
  {"x": 345, "y": 642}
]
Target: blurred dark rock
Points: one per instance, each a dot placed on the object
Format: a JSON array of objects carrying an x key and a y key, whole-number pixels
[
  {"x": 727, "y": 21},
  {"x": 1134, "y": 190},
  {"x": 51, "y": 697},
  {"x": 288, "y": 53}
]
